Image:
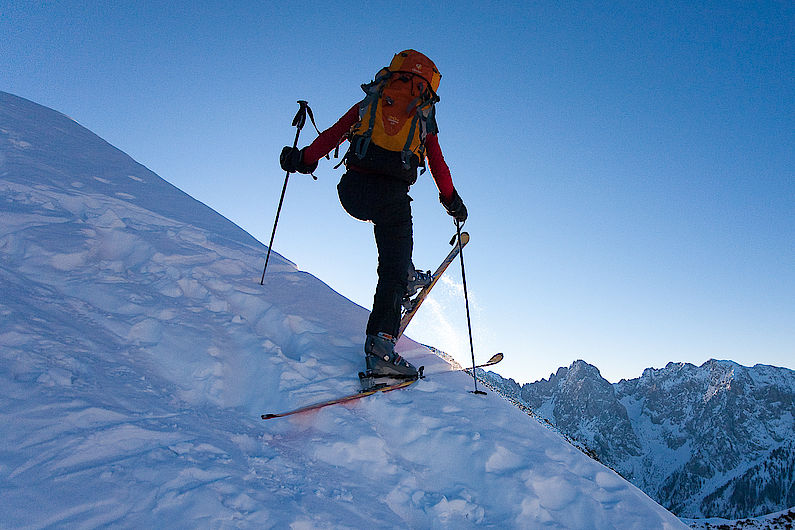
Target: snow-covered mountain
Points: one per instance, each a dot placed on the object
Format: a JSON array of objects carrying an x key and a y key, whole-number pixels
[
  {"x": 716, "y": 440},
  {"x": 138, "y": 350},
  {"x": 783, "y": 520}
]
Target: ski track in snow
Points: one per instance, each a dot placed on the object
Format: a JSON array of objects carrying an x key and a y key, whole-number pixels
[{"x": 137, "y": 351}]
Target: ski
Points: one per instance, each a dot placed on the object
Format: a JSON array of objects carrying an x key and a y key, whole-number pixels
[
  {"x": 416, "y": 302},
  {"x": 344, "y": 399},
  {"x": 370, "y": 390}
]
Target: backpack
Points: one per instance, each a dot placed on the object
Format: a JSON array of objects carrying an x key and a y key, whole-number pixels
[{"x": 395, "y": 116}]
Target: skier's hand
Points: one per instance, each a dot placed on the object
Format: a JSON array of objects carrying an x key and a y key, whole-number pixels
[
  {"x": 292, "y": 160},
  {"x": 455, "y": 207}
]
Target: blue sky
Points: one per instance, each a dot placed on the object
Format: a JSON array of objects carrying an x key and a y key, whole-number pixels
[{"x": 628, "y": 166}]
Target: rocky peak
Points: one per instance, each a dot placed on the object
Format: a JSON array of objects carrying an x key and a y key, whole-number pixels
[{"x": 579, "y": 400}]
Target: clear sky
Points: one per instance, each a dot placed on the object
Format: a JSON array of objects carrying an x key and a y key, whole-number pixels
[{"x": 628, "y": 166}]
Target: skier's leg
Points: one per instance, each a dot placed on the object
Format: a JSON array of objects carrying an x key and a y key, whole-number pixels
[
  {"x": 393, "y": 237},
  {"x": 386, "y": 203},
  {"x": 355, "y": 193}
]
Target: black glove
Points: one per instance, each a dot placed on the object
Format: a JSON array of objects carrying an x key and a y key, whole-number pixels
[
  {"x": 455, "y": 207},
  {"x": 292, "y": 160}
]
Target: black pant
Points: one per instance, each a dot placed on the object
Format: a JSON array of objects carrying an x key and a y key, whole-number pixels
[{"x": 386, "y": 203}]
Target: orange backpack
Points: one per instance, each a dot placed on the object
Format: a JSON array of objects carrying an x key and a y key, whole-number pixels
[{"x": 395, "y": 116}]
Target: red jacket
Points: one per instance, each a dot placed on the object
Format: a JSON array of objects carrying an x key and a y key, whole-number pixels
[{"x": 331, "y": 138}]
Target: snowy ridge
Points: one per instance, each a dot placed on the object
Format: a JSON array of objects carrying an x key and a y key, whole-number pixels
[{"x": 137, "y": 350}]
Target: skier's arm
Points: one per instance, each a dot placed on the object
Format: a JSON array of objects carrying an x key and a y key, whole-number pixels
[
  {"x": 441, "y": 175},
  {"x": 331, "y": 137},
  {"x": 439, "y": 168}
]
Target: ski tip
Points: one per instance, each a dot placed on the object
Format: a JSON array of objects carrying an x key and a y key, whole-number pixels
[
  {"x": 497, "y": 357},
  {"x": 269, "y": 416}
]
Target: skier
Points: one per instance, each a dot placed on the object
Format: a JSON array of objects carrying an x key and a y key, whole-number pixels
[{"x": 391, "y": 131}]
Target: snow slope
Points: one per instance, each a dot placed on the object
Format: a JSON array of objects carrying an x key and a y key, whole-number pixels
[{"x": 137, "y": 351}]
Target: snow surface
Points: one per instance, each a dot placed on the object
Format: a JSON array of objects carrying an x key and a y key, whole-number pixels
[{"x": 137, "y": 351}]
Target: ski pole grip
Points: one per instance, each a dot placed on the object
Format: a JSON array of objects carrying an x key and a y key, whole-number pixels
[
  {"x": 300, "y": 120},
  {"x": 300, "y": 116}
]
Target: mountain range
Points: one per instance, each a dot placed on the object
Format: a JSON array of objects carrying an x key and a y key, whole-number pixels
[{"x": 716, "y": 440}]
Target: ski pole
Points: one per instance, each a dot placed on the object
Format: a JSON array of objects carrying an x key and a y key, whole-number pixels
[
  {"x": 298, "y": 123},
  {"x": 466, "y": 300}
]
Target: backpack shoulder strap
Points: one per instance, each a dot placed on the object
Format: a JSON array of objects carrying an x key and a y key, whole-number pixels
[{"x": 373, "y": 91}]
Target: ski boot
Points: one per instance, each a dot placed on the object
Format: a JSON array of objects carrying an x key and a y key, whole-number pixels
[
  {"x": 383, "y": 361},
  {"x": 416, "y": 281}
]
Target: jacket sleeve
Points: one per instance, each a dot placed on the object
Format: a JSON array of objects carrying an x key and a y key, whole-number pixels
[
  {"x": 331, "y": 137},
  {"x": 439, "y": 169}
]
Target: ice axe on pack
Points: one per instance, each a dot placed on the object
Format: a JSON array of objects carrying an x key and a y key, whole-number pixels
[{"x": 298, "y": 122}]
